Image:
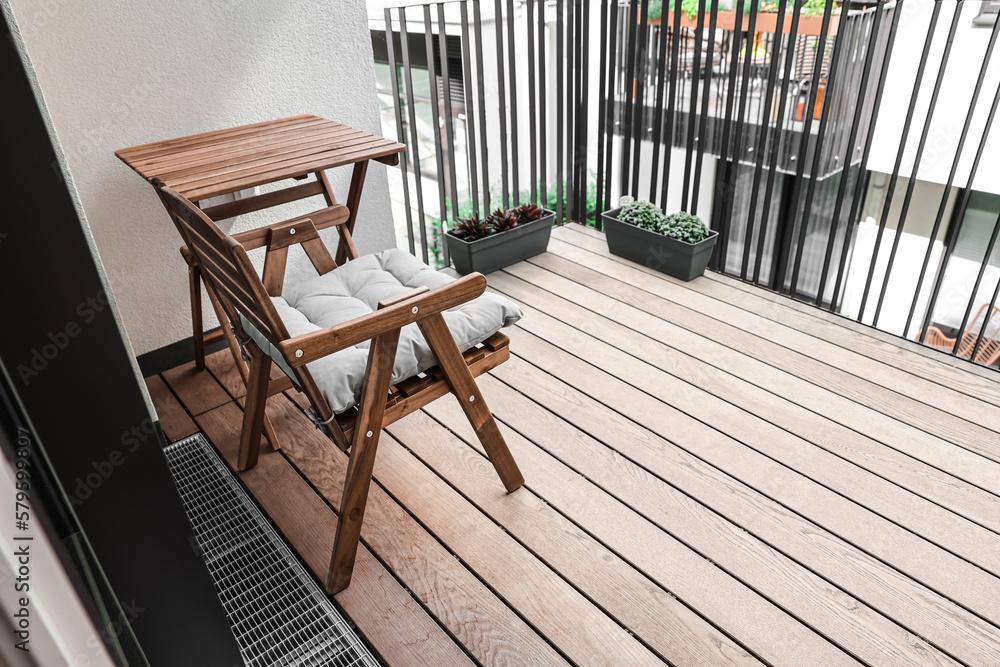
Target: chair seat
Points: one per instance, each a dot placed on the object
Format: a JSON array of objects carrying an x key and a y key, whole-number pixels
[{"x": 353, "y": 290}]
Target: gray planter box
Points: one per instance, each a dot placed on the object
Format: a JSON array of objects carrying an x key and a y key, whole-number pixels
[
  {"x": 661, "y": 253},
  {"x": 500, "y": 250}
]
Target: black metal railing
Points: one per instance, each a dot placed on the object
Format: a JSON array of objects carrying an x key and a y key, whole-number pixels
[
  {"x": 519, "y": 132},
  {"x": 760, "y": 118}
]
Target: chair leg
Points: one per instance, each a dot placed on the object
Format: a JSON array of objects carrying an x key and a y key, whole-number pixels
[
  {"x": 367, "y": 429},
  {"x": 198, "y": 333},
  {"x": 464, "y": 386},
  {"x": 253, "y": 411}
]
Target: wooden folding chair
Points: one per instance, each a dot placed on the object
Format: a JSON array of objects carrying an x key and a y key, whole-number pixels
[
  {"x": 244, "y": 300},
  {"x": 989, "y": 349}
]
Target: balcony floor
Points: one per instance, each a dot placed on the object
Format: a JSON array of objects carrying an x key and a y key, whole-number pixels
[{"x": 715, "y": 475}]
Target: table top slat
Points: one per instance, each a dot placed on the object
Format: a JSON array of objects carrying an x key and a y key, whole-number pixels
[
  {"x": 224, "y": 161},
  {"x": 381, "y": 151},
  {"x": 221, "y": 159},
  {"x": 257, "y": 164},
  {"x": 173, "y": 145},
  {"x": 232, "y": 145}
]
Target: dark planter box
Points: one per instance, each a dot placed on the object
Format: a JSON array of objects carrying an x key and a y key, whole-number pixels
[
  {"x": 500, "y": 250},
  {"x": 655, "y": 251}
]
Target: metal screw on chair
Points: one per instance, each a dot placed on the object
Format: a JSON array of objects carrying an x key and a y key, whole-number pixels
[
  {"x": 471, "y": 399},
  {"x": 298, "y": 353},
  {"x": 414, "y": 310},
  {"x": 291, "y": 231},
  {"x": 368, "y": 434}
]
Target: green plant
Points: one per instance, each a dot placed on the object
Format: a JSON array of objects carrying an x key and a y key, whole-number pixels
[
  {"x": 690, "y": 7},
  {"x": 643, "y": 214},
  {"x": 684, "y": 227},
  {"x": 681, "y": 226}
]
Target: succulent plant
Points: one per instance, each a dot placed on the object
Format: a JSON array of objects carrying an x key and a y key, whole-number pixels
[
  {"x": 503, "y": 221},
  {"x": 529, "y": 212},
  {"x": 472, "y": 228},
  {"x": 684, "y": 227},
  {"x": 642, "y": 214}
]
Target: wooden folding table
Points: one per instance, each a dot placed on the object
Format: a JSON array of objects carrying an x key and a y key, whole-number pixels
[{"x": 217, "y": 163}]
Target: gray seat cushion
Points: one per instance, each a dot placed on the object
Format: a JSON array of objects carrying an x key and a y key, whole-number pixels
[{"x": 353, "y": 290}]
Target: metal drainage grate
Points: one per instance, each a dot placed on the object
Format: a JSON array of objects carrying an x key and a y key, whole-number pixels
[{"x": 278, "y": 613}]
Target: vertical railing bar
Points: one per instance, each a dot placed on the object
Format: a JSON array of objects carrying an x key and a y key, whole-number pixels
[
  {"x": 776, "y": 139},
  {"x": 414, "y": 140},
  {"x": 626, "y": 129},
  {"x": 922, "y": 143},
  {"x": 512, "y": 73},
  {"x": 639, "y": 91},
  {"x": 742, "y": 113},
  {"x": 713, "y": 22},
  {"x": 873, "y": 46},
  {"x": 436, "y": 117},
  {"x": 720, "y": 202},
  {"x": 954, "y": 169},
  {"x": 532, "y": 107},
  {"x": 481, "y": 103},
  {"x": 862, "y": 168},
  {"x": 661, "y": 78},
  {"x": 502, "y": 97},
  {"x": 611, "y": 102},
  {"x": 675, "y": 45},
  {"x": 961, "y": 208},
  {"x": 693, "y": 108},
  {"x": 808, "y": 113},
  {"x": 584, "y": 113},
  {"x": 891, "y": 188},
  {"x": 400, "y": 135},
  {"x": 601, "y": 114},
  {"x": 572, "y": 73},
  {"x": 560, "y": 98},
  {"x": 470, "y": 112},
  {"x": 800, "y": 159},
  {"x": 761, "y": 157},
  {"x": 988, "y": 314},
  {"x": 449, "y": 127},
  {"x": 542, "y": 116}
]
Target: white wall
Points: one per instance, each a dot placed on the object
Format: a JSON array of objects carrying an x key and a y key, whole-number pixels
[
  {"x": 117, "y": 74},
  {"x": 968, "y": 52}
]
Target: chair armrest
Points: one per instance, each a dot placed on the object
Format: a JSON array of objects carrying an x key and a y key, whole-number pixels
[{"x": 393, "y": 313}]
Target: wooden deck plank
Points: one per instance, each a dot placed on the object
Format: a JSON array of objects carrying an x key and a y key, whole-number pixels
[
  {"x": 974, "y": 381},
  {"x": 395, "y": 626},
  {"x": 811, "y": 495},
  {"x": 481, "y": 621},
  {"x": 771, "y": 633},
  {"x": 855, "y": 432},
  {"x": 844, "y": 619},
  {"x": 174, "y": 419},
  {"x": 927, "y": 406},
  {"x": 659, "y": 619},
  {"x": 196, "y": 389},
  {"x": 488, "y": 628},
  {"x": 570, "y": 415}
]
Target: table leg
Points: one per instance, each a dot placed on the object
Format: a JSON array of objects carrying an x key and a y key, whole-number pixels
[{"x": 353, "y": 200}]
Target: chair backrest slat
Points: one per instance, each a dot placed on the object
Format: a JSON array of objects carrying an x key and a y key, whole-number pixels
[
  {"x": 227, "y": 268},
  {"x": 224, "y": 262}
]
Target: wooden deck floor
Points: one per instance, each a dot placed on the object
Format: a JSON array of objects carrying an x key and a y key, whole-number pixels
[{"x": 715, "y": 476}]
